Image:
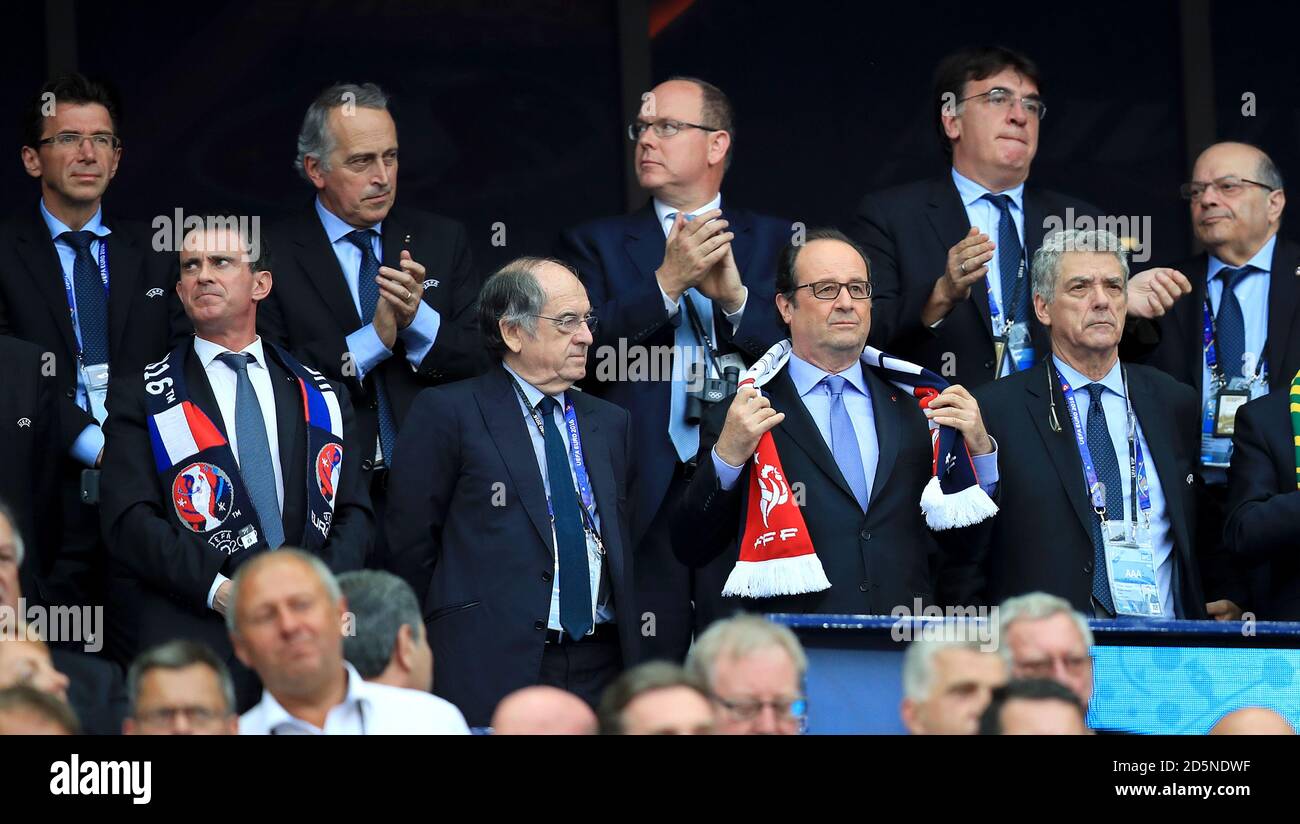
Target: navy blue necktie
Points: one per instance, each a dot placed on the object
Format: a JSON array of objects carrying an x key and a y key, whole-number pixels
[
  {"x": 91, "y": 297},
  {"x": 1015, "y": 303},
  {"x": 1106, "y": 465},
  {"x": 844, "y": 440},
  {"x": 368, "y": 293},
  {"x": 255, "y": 465},
  {"x": 1229, "y": 325},
  {"x": 570, "y": 539}
]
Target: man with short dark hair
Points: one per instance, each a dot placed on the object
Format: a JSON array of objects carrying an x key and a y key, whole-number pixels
[
  {"x": 180, "y": 688},
  {"x": 388, "y": 643},
  {"x": 656, "y": 698},
  {"x": 1036, "y": 706}
]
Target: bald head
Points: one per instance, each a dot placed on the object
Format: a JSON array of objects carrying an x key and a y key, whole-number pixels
[
  {"x": 1235, "y": 225},
  {"x": 1253, "y": 721},
  {"x": 543, "y": 711}
]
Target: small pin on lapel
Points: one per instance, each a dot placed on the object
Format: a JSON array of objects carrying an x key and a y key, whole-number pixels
[{"x": 1189, "y": 477}]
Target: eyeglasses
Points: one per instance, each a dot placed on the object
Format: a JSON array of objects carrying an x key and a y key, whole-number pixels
[
  {"x": 663, "y": 128},
  {"x": 166, "y": 716},
  {"x": 68, "y": 140},
  {"x": 1043, "y": 668},
  {"x": 1001, "y": 98},
  {"x": 830, "y": 290},
  {"x": 786, "y": 709},
  {"x": 568, "y": 324},
  {"x": 1228, "y": 186}
]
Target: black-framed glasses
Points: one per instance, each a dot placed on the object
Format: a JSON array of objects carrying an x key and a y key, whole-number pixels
[
  {"x": 1228, "y": 186},
  {"x": 1001, "y": 98},
  {"x": 747, "y": 709},
  {"x": 568, "y": 324},
  {"x": 663, "y": 128},
  {"x": 830, "y": 289},
  {"x": 68, "y": 140}
]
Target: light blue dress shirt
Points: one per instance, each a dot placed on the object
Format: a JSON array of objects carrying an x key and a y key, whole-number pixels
[
  {"x": 1115, "y": 406},
  {"x": 88, "y": 444},
  {"x": 368, "y": 351},
  {"x": 604, "y": 612},
  {"x": 857, "y": 402}
]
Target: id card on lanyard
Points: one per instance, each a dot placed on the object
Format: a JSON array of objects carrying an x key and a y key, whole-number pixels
[
  {"x": 94, "y": 376},
  {"x": 1130, "y": 558},
  {"x": 1012, "y": 344},
  {"x": 1226, "y": 396}
]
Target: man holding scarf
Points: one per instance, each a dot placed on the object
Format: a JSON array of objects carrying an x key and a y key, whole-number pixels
[
  {"x": 223, "y": 449},
  {"x": 827, "y": 476}
]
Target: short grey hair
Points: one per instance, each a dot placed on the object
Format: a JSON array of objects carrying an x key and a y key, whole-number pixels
[
  {"x": 326, "y": 577},
  {"x": 20, "y": 548},
  {"x": 739, "y": 637},
  {"x": 512, "y": 294},
  {"x": 1036, "y": 606},
  {"x": 174, "y": 655},
  {"x": 918, "y": 663},
  {"x": 1267, "y": 172},
  {"x": 1046, "y": 267},
  {"x": 381, "y": 604},
  {"x": 315, "y": 139}
]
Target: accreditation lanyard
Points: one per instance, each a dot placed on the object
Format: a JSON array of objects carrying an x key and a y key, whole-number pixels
[
  {"x": 995, "y": 312},
  {"x": 1209, "y": 338},
  {"x": 1137, "y": 466},
  {"x": 587, "y": 500},
  {"x": 701, "y": 334},
  {"x": 68, "y": 287}
]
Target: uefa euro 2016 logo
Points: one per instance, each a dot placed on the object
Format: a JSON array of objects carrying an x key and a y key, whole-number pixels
[
  {"x": 328, "y": 463},
  {"x": 203, "y": 496}
]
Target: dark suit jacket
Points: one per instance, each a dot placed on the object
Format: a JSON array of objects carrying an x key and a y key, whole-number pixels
[
  {"x": 29, "y": 437},
  {"x": 617, "y": 258},
  {"x": 1042, "y": 538},
  {"x": 907, "y": 232},
  {"x": 467, "y": 517},
  {"x": 96, "y": 690},
  {"x": 310, "y": 310},
  {"x": 144, "y": 315},
  {"x": 161, "y": 572},
  {"x": 1181, "y": 350},
  {"x": 1263, "y": 524},
  {"x": 875, "y": 561}
]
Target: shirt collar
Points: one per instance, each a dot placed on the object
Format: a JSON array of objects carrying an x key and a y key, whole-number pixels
[
  {"x": 971, "y": 192},
  {"x": 663, "y": 210},
  {"x": 335, "y": 227},
  {"x": 274, "y": 715},
  {"x": 1262, "y": 261},
  {"x": 806, "y": 376},
  {"x": 208, "y": 351},
  {"x": 57, "y": 227},
  {"x": 1114, "y": 380},
  {"x": 531, "y": 392}
]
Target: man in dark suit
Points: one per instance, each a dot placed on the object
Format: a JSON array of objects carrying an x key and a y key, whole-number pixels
[
  {"x": 1085, "y": 420},
  {"x": 377, "y": 297},
  {"x": 515, "y": 596},
  {"x": 637, "y": 268},
  {"x": 1263, "y": 507},
  {"x": 854, "y": 449},
  {"x": 1246, "y": 285},
  {"x": 29, "y": 436},
  {"x": 88, "y": 290},
  {"x": 950, "y": 255},
  {"x": 223, "y": 449}
]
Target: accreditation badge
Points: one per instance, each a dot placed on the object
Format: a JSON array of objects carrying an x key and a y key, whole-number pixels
[
  {"x": 1130, "y": 561},
  {"x": 1226, "y": 403},
  {"x": 1021, "y": 346},
  {"x": 95, "y": 378}
]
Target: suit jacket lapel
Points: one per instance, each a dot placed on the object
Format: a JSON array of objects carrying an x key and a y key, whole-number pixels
[
  {"x": 644, "y": 241},
  {"x": 884, "y": 405},
  {"x": 742, "y": 246},
  {"x": 799, "y": 427},
  {"x": 292, "y": 435},
  {"x": 125, "y": 264},
  {"x": 1061, "y": 447},
  {"x": 1281, "y": 310},
  {"x": 1189, "y": 317},
  {"x": 321, "y": 268},
  {"x": 948, "y": 217},
  {"x": 1035, "y": 231},
  {"x": 36, "y": 249},
  {"x": 506, "y": 426}
]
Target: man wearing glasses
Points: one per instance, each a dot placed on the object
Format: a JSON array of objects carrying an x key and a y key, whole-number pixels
[
  {"x": 683, "y": 274},
  {"x": 754, "y": 671},
  {"x": 950, "y": 255},
  {"x": 87, "y": 289}
]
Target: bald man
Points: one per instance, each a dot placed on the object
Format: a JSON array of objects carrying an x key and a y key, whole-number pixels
[
  {"x": 543, "y": 711},
  {"x": 1253, "y": 721}
]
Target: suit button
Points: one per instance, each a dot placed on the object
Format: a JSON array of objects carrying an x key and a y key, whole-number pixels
[
  {"x": 546, "y": 576},
  {"x": 366, "y": 465},
  {"x": 1088, "y": 567},
  {"x": 71, "y": 393},
  {"x": 866, "y": 536},
  {"x": 988, "y": 364},
  {"x": 864, "y": 586},
  {"x": 539, "y": 624}
]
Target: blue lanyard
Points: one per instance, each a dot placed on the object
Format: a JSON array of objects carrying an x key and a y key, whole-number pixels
[
  {"x": 576, "y": 459},
  {"x": 103, "y": 276},
  {"x": 1137, "y": 466},
  {"x": 1209, "y": 340}
]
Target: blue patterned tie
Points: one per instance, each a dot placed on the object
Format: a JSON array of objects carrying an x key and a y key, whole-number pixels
[
  {"x": 255, "y": 465},
  {"x": 368, "y": 293},
  {"x": 1106, "y": 465},
  {"x": 91, "y": 297},
  {"x": 1015, "y": 305},
  {"x": 1229, "y": 325},
  {"x": 570, "y": 539},
  {"x": 844, "y": 440}
]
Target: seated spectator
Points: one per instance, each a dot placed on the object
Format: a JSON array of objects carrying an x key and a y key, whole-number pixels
[
  {"x": 543, "y": 711},
  {"x": 180, "y": 688},
  {"x": 1253, "y": 721},
  {"x": 656, "y": 698},
  {"x": 946, "y": 686},
  {"x": 754, "y": 671},
  {"x": 388, "y": 643},
  {"x": 286, "y": 623},
  {"x": 25, "y": 710},
  {"x": 1034, "y": 706},
  {"x": 1043, "y": 637}
]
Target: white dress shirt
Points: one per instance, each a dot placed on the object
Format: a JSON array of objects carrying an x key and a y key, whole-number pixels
[{"x": 367, "y": 709}]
